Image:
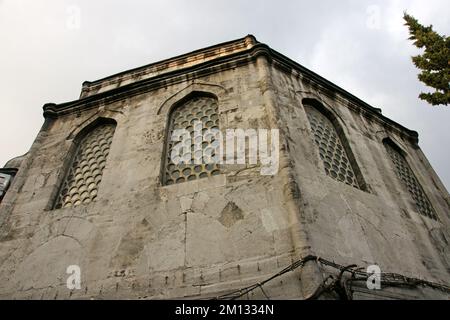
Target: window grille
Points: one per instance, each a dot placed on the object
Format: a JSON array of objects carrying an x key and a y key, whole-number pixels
[
  {"x": 204, "y": 109},
  {"x": 407, "y": 177},
  {"x": 86, "y": 170},
  {"x": 331, "y": 150}
]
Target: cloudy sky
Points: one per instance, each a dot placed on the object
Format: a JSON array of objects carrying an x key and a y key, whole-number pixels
[{"x": 49, "y": 47}]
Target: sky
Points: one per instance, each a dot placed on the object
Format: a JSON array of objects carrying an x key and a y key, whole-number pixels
[{"x": 49, "y": 47}]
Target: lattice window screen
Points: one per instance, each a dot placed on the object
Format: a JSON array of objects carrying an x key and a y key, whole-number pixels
[
  {"x": 85, "y": 173},
  {"x": 204, "y": 109},
  {"x": 406, "y": 175},
  {"x": 331, "y": 151}
]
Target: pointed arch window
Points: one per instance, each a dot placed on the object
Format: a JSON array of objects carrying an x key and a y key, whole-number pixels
[
  {"x": 82, "y": 180},
  {"x": 331, "y": 147},
  {"x": 188, "y": 113},
  {"x": 409, "y": 180}
]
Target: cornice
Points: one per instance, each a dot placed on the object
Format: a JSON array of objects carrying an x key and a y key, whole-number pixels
[{"x": 221, "y": 63}]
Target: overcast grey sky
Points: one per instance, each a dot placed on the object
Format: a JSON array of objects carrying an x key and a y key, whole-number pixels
[{"x": 48, "y": 48}]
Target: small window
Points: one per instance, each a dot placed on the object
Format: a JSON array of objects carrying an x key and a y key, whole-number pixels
[
  {"x": 80, "y": 185},
  {"x": 331, "y": 148},
  {"x": 193, "y": 111},
  {"x": 409, "y": 180}
]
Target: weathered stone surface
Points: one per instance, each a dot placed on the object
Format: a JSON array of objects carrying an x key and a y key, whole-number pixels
[{"x": 230, "y": 215}]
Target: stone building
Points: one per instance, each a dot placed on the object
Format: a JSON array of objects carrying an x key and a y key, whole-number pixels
[{"x": 98, "y": 190}]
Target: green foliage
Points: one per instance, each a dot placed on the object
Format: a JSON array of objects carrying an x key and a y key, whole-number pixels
[{"x": 434, "y": 63}]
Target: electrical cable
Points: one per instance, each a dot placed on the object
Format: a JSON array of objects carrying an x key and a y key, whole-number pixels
[{"x": 342, "y": 288}]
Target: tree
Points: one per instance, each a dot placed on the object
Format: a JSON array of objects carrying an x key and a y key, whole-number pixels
[{"x": 434, "y": 63}]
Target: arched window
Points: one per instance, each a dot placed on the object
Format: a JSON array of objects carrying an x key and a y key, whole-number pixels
[
  {"x": 191, "y": 111},
  {"x": 331, "y": 148},
  {"x": 81, "y": 183},
  {"x": 409, "y": 180}
]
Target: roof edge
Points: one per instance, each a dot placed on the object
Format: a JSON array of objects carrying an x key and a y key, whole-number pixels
[
  {"x": 166, "y": 65},
  {"x": 255, "y": 49}
]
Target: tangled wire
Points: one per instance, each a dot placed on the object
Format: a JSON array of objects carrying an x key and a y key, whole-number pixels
[{"x": 339, "y": 285}]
